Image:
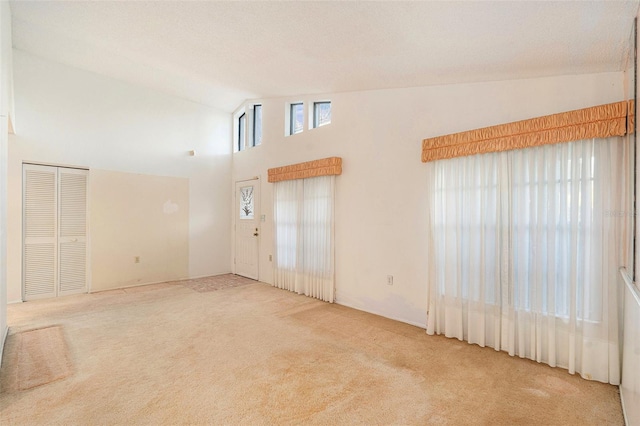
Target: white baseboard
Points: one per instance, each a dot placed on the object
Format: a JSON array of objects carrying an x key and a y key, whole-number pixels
[
  {"x": 124, "y": 287},
  {"x": 370, "y": 311},
  {"x": 156, "y": 282}
]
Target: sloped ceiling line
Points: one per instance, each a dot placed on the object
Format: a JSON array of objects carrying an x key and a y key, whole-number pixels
[{"x": 223, "y": 53}]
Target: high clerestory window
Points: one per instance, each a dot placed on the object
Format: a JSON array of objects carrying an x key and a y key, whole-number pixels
[
  {"x": 247, "y": 128},
  {"x": 242, "y": 123},
  {"x": 296, "y": 118},
  {"x": 321, "y": 113},
  {"x": 257, "y": 125}
]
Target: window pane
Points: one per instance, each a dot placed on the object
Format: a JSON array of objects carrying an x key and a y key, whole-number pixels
[
  {"x": 321, "y": 113},
  {"x": 241, "y": 127},
  {"x": 257, "y": 125},
  {"x": 297, "y": 118},
  {"x": 246, "y": 202}
]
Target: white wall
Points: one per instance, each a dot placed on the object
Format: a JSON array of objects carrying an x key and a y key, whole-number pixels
[
  {"x": 137, "y": 216},
  {"x": 381, "y": 198},
  {"x": 6, "y": 103},
  {"x": 67, "y": 116}
]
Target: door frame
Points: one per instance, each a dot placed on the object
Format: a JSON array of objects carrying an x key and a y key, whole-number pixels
[{"x": 257, "y": 208}]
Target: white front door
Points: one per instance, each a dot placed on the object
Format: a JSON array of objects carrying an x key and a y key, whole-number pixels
[{"x": 247, "y": 228}]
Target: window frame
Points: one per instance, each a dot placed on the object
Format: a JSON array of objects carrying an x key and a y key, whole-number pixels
[
  {"x": 292, "y": 120},
  {"x": 315, "y": 113},
  {"x": 242, "y": 131},
  {"x": 254, "y": 141}
]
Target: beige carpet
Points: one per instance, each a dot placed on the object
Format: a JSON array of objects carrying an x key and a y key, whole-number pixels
[{"x": 253, "y": 354}]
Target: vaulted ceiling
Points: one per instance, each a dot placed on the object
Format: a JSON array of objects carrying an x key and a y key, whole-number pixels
[{"x": 222, "y": 53}]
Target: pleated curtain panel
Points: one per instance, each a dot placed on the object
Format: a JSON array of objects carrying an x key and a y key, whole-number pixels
[
  {"x": 304, "y": 197},
  {"x": 525, "y": 248}
]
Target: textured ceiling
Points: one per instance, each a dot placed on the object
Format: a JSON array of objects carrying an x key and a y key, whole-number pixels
[{"x": 222, "y": 53}]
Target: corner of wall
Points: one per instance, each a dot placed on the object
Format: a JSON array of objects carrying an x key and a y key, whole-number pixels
[
  {"x": 6, "y": 87},
  {"x": 5, "y": 333}
]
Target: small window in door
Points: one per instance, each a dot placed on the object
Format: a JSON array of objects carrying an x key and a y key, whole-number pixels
[{"x": 246, "y": 202}]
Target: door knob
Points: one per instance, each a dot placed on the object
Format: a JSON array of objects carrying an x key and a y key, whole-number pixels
[{"x": 255, "y": 234}]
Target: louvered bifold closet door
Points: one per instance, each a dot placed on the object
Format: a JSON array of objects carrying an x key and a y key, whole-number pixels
[
  {"x": 72, "y": 231},
  {"x": 40, "y": 231}
]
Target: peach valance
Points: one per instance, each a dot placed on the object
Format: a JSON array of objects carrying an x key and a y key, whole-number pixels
[
  {"x": 324, "y": 167},
  {"x": 596, "y": 122}
]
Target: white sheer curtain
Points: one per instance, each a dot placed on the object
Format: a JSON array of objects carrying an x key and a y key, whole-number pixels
[
  {"x": 287, "y": 211},
  {"x": 526, "y": 246},
  {"x": 304, "y": 222}
]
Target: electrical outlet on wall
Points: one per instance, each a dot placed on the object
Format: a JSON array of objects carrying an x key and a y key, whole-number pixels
[{"x": 389, "y": 279}]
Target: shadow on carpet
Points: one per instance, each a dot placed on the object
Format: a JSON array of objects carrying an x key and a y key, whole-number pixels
[{"x": 34, "y": 358}]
